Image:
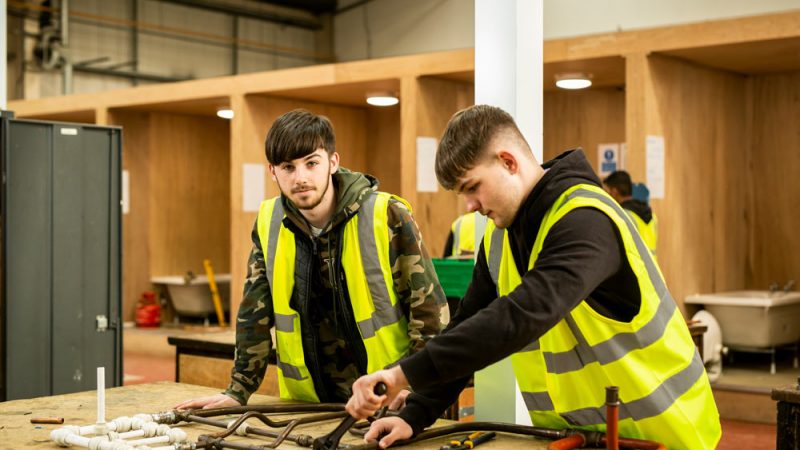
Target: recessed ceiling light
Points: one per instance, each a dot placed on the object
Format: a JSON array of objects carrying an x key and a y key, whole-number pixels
[
  {"x": 225, "y": 113},
  {"x": 573, "y": 80},
  {"x": 382, "y": 99}
]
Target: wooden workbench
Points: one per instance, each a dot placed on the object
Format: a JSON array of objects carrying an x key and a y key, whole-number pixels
[{"x": 17, "y": 432}]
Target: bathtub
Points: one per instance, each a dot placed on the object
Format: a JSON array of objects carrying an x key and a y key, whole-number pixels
[
  {"x": 756, "y": 319},
  {"x": 193, "y": 298}
]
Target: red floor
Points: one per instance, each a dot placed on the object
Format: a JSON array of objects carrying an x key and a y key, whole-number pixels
[
  {"x": 141, "y": 368},
  {"x": 735, "y": 435}
]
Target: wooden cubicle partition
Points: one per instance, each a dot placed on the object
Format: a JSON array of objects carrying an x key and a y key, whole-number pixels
[
  {"x": 722, "y": 93},
  {"x": 437, "y": 100},
  {"x": 774, "y": 163},
  {"x": 583, "y": 119},
  {"x": 178, "y": 169},
  {"x": 700, "y": 112}
]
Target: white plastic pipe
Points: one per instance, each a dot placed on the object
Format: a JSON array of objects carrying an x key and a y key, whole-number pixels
[
  {"x": 174, "y": 435},
  {"x": 101, "y": 395}
]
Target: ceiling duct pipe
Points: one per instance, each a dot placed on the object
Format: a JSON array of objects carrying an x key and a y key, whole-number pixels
[{"x": 66, "y": 61}]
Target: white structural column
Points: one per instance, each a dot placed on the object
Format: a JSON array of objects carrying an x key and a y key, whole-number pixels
[
  {"x": 3, "y": 68},
  {"x": 508, "y": 74}
]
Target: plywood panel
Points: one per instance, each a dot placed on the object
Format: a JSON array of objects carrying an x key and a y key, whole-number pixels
[
  {"x": 437, "y": 101},
  {"x": 189, "y": 200},
  {"x": 758, "y": 57},
  {"x": 247, "y": 146},
  {"x": 775, "y": 165},
  {"x": 693, "y": 35},
  {"x": 383, "y": 146},
  {"x": 135, "y": 224},
  {"x": 702, "y": 219},
  {"x": 583, "y": 119},
  {"x": 216, "y": 373}
]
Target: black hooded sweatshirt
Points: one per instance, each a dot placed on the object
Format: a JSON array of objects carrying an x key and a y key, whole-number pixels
[{"x": 582, "y": 258}]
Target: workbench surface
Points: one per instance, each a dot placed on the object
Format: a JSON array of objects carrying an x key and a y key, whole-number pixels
[{"x": 17, "y": 432}]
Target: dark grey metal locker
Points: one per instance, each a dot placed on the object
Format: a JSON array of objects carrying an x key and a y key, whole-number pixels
[{"x": 61, "y": 257}]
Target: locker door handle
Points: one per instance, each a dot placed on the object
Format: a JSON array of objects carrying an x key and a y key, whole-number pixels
[{"x": 102, "y": 323}]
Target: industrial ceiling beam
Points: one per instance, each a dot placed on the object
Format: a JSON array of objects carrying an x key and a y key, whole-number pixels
[{"x": 254, "y": 13}]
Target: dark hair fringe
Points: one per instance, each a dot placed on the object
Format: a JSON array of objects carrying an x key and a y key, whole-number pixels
[
  {"x": 296, "y": 134},
  {"x": 464, "y": 140}
]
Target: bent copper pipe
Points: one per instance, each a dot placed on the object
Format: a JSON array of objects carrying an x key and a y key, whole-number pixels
[
  {"x": 283, "y": 408},
  {"x": 288, "y": 425},
  {"x": 591, "y": 439}
]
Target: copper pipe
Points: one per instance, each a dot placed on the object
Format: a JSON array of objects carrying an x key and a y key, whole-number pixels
[
  {"x": 640, "y": 444},
  {"x": 569, "y": 443},
  {"x": 48, "y": 420},
  {"x": 612, "y": 418}
]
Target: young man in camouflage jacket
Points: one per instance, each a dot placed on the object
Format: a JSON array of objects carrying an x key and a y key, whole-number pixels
[{"x": 320, "y": 204}]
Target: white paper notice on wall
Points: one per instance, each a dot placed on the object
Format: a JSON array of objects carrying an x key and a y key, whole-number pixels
[
  {"x": 654, "y": 149},
  {"x": 608, "y": 159},
  {"x": 426, "y": 161},
  {"x": 126, "y": 192},
  {"x": 253, "y": 178}
]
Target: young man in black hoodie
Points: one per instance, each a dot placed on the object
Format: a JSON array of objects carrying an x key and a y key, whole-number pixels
[{"x": 565, "y": 286}]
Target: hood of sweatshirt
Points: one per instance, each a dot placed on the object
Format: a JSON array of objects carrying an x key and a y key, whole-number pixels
[
  {"x": 639, "y": 208},
  {"x": 350, "y": 188},
  {"x": 564, "y": 171}
]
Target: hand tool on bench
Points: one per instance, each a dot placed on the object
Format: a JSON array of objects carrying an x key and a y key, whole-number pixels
[
  {"x": 470, "y": 441},
  {"x": 331, "y": 441}
]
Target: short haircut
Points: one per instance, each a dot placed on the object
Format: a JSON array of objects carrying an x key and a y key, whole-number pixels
[
  {"x": 297, "y": 134},
  {"x": 621, "y": 181},
  {"x": 466, "y": 138}
]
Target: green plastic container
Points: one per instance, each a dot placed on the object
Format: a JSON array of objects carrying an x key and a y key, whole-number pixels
[{"x": 454, "y": 275}]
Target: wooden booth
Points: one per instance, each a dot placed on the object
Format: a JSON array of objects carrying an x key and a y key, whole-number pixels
[{"x": 723, "y": 94}]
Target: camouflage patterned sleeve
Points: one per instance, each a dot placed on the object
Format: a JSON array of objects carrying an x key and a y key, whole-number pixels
[
  {"x": 255, "y": 318},
  {"x": 415, "y": 280}
]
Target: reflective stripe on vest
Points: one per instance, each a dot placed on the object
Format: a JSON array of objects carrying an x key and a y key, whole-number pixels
[
  {"x": 664, "y": 392},
  {"x": 365, "y": 261}
]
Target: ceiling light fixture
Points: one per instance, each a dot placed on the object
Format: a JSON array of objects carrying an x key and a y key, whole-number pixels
[
  {"x": 382, "y": 99},
  {"x": 573, "y": 80},
  {"x": 225, "y": 113}
]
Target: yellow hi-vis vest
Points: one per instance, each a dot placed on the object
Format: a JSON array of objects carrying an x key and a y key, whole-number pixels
[
  {"x": 464, "y": 236},
  {"x": 663, "y": 388},
  {"x": 648, "y": 231},
  {"x": 365, "y": 261}
]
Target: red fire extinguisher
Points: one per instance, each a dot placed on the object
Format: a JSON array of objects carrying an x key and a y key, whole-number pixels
[{"x": 148, "y": 310}]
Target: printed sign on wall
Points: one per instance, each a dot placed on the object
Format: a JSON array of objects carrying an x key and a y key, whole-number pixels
[{"x": 609, "y": 159}]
